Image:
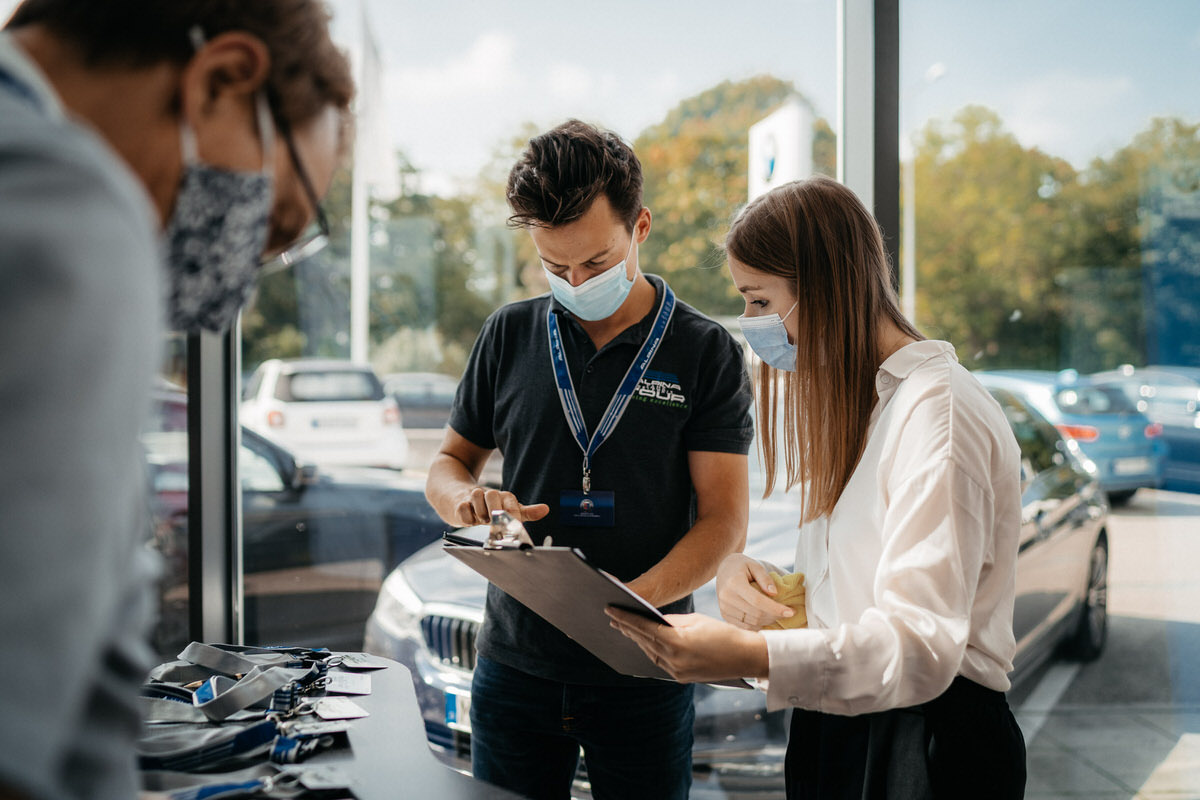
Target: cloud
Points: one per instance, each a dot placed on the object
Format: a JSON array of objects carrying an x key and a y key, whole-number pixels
[
  {"x": 1062, "y": 112},
  {"x": 569, "y": 82},
  {"x": 485, "y": 66}
]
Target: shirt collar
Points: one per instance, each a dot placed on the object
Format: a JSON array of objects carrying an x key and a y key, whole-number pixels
[
  {"x": 29, "y": 77},
  {"x": 900, "y": 364}
]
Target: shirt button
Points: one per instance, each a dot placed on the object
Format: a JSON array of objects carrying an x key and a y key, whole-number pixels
[
  {"x": 793, "y": 700},
  {"x": 886, "y": 380}
]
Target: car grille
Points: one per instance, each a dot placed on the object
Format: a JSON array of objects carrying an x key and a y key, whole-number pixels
[{"x": 451, "y": 639}]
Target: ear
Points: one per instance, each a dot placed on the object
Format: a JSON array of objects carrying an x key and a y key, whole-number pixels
[
  {"x": 224, "y": 73},
  {"x": 641, "y": 228}
]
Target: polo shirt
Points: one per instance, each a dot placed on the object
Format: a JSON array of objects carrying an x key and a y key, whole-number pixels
[{"x": 694, "y": 397}]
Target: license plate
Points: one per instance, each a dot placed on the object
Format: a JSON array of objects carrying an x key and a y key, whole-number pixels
[
  {"x": 335, "y": 422},
  {"x": 458, "y": 711},
  {"x": 1130, "y": 466}
]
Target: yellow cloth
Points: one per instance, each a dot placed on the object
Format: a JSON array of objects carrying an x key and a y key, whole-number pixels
[{"x": 790, "y": 592}]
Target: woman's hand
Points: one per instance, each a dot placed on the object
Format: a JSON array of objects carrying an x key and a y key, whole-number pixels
[
  {"x": 742, "y": 601},
  {"x": 695, "y": 648}
]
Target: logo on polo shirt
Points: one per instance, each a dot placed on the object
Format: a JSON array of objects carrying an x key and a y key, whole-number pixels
[{"x": 660, "y": 388}]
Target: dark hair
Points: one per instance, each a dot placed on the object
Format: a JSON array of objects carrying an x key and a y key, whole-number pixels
[
  {"x": 308, "y": 72},
  {"x": 564, "y": 170},
  {"x": 820, "y": 237}
]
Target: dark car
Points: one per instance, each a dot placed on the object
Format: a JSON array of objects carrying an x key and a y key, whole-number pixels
[
  {"x": 316, "y": 543},
  {"x": 430, "y": 609},
  {"x": 1125, "y": 445}
]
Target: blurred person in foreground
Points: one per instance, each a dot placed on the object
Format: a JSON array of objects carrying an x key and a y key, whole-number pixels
[
  {"x": 623, "y": 418},
  {"x": 152, "y": 155},
  {"x": 909, "y": 479}
]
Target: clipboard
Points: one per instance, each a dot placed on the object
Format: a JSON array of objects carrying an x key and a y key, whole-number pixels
[{"x": 563, "y": 588}]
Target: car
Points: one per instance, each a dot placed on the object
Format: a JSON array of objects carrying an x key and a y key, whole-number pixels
[
  {"x": 317, "y": 542},
  {"x": 1126, "y": 446},
  {"x": 327, "y": 411},
  {"x": 430, "y": 608},
  {"x": 424, "y": 398},
  {"x": 1169, "y": 396}
]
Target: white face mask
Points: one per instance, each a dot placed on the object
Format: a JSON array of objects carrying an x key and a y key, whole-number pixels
[{"x": 598, "y": 297}]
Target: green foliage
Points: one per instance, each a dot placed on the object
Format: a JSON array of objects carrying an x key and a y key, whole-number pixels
[
  {"x": 1024, "y": 262},
  {"x": 695, "y": 165}
]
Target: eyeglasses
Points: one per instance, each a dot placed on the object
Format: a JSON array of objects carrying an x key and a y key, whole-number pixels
[{"x": 316, "y": 237}]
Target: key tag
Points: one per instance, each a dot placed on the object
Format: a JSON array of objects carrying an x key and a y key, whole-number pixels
[
  {"x": 347, "y": 683},
  {"x": 338, "y": 708},
  {"x": 321, "y": 778},
  {"x": 359, "y": 661}
]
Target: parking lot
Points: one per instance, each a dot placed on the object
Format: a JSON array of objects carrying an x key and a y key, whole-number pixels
[{"x": 1128, "y": 725}]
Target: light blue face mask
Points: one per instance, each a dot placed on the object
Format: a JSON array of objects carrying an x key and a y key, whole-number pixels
[
  {"x": 768, "y": 338},
  {"x": 598, "y": 297}
]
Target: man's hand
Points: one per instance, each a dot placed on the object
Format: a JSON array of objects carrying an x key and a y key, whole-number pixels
[
  {"x": 695, "y": 648},
  {"x": 742, "y": 601},
  {"x": 477, "y": 505}
]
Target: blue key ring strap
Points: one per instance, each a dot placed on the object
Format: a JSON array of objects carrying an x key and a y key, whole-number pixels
[{"x": 620, "y": 400}]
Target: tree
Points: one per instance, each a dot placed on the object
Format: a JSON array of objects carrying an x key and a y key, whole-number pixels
[
  {"x": 1023, "y": 262},
  {"x": 695, "y": 165},
  {"x": 993, "y": 232}
]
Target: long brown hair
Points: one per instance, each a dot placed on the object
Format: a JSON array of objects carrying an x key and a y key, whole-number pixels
[{"x": 818, "y": 235}]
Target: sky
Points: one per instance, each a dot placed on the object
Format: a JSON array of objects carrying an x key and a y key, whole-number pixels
[{"x": 1076, "y": 78}]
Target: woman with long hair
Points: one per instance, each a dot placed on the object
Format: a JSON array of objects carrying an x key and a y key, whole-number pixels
[{"x": 908, "y": 478}]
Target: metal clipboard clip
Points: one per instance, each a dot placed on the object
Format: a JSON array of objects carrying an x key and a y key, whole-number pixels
[{"x": 507, "y": 532}]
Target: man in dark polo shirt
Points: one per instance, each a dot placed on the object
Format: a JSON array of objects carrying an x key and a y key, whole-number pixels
[{"x": 623, "y": 417}]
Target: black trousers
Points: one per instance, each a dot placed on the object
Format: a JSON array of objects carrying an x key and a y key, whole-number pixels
[{"x": 963, "y": 745}]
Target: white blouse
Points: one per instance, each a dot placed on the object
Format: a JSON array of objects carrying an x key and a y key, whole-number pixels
[{"x": 910, "y": 580}]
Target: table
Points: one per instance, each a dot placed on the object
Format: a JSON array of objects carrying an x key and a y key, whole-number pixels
[{"x": 389, "y": 755}]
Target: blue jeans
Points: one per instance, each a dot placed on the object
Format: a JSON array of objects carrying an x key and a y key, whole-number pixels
[{"x": 526, "y": 733}]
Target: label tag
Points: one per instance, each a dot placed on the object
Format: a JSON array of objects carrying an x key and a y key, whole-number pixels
[
  {"x": 338, "y": 708},
  {"x": 316, "y": 778},
  {"x": 348, "y": 683},
  {"x": 594, "y": 509},
  {"x": 360, "y": 661},
  {"x": 312, "y": 727}
]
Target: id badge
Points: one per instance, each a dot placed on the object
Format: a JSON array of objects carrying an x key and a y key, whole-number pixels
[{"x": 594, "y": 509}]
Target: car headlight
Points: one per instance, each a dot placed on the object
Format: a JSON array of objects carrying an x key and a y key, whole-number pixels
[{"x": 398, "y": 609}]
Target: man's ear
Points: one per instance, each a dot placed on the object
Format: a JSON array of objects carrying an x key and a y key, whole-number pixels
[
  {"x": 641, "y": 228},
  {"x": 226, "y": 70}
]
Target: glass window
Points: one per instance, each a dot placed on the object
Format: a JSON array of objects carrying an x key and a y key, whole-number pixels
[
  {"x": 257, "y": 472},
  {"x": 336, "y": 385},
  {"x": 718, "y": 102},
  {"x": 166, "y": 447},
  {"x": 1036, "y": 437},
  {"x": 1086, "y": 400},
  {"x": 1050, "y": 162}
]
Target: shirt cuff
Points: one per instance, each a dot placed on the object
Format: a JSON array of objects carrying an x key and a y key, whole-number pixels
[{"x": 796, "y": 662}]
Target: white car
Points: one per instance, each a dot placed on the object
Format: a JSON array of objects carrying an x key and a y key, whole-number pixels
[{"x": 326, "y": 411}]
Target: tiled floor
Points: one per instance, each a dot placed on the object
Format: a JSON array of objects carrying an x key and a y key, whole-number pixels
[{"x": 1147, "y": 753}]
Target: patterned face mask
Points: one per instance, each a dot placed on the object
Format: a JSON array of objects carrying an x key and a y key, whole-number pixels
[{"x": 216, "y": 235}]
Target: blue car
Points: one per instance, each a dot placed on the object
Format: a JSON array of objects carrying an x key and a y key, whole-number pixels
[
  {"x": 1169, "y": 396},
  {"x": 1126, "y": 446}
]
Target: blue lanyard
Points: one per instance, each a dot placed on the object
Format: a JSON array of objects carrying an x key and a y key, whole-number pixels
[{"x": 620, "y": 401}]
